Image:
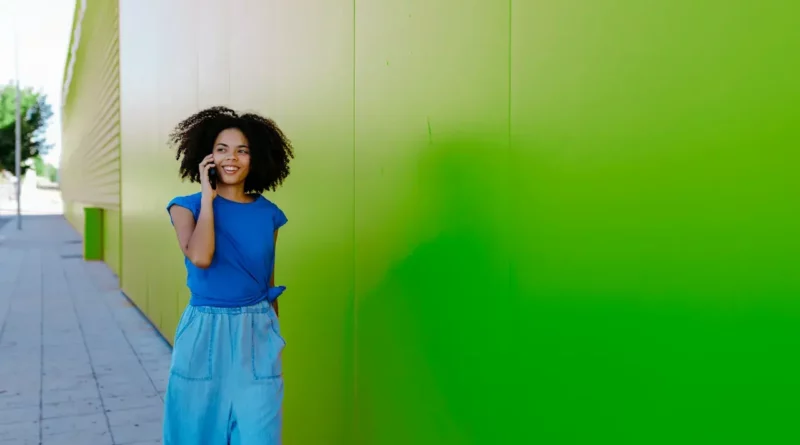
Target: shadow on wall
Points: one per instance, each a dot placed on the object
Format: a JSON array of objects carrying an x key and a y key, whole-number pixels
[
  {"x": 460, "y": 342},
  {"x": 436, "y": 336}
]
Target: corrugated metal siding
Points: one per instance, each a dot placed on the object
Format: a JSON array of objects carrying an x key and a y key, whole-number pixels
[{"x": 91, "y": 119}]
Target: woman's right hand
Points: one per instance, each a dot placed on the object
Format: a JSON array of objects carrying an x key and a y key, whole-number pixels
[{"x": 208, "y": 193}]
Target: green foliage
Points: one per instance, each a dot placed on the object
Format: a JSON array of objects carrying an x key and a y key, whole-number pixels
[
  {"x": 44, "y": 169},
  {"x": 35, "y": 112},
  {"x": 52, "y": 173},
  {"x": 39, "y": 165}
]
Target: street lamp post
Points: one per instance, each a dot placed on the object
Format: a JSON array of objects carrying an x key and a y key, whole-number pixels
[{"x": 18, "y": 135}]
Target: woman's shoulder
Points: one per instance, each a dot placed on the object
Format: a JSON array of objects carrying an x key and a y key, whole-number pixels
[
  {"x": 274, "y": 211},
  {"x": 266, "y": 202},
  {"x": 189, "y": 201}
]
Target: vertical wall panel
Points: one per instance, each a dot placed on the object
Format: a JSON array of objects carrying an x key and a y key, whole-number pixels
[
  {"x": 306, "y": 85},
  {"x": 176, "y": 62},
  {"x": 139, "y": 96},
  {"x": 73, "y": 212},
  {"x": 111, "y": 239},
  {"x": 652, "y": 167},
  {"x": 430, "y": 188}
]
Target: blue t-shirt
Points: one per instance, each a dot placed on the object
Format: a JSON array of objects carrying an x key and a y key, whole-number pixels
[{"x": 244, "y": 253}]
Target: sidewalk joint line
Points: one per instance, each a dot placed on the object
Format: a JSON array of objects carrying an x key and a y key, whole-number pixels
[{"x": 88, "y": 353}]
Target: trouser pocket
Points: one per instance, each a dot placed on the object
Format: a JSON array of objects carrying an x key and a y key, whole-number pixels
[
  {"x": 267, "y": 346},
  {"x": 192, "y": 351}
]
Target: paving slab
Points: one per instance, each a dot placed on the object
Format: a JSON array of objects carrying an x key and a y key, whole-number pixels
[{"x": 78, "y": 363}]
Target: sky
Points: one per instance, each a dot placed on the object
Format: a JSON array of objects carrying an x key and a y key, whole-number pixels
[{"x": 43, "y": 28}]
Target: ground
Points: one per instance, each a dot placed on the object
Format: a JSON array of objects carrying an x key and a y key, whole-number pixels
[
  {"x": 78, "y": 363},
  {"x": 6, "y": 203}
]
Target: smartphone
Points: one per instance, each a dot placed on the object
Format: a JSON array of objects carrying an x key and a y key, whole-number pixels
[{"x": 212, "y": 177}]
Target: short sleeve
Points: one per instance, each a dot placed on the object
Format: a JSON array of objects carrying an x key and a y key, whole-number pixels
[
  {"x": 278, "y": 218},
  {"x": 187, "y": 202}
]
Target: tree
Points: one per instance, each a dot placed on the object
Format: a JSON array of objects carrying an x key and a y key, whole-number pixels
[
  {"x": 39, "y": 165},
  {"x": 45, "y": 169},
  {"x": 35, "y": 113}
]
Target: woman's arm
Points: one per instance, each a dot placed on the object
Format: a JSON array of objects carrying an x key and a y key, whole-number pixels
[
  {"x": 196, "y": 238},
  {"x": 272, "y": 277}
]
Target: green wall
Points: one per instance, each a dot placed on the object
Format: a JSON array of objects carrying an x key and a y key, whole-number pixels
[
  {"x": 510, "y": 222},
  {"x": 653, "y": 261}
]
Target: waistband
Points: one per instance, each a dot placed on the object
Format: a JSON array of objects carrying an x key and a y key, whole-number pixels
[
  {"x": 261, "y": 307},
  {"x": 264, "y": 304}
]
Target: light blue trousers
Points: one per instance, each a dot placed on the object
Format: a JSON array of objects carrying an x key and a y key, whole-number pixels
[{"x": 225, "y": 384}]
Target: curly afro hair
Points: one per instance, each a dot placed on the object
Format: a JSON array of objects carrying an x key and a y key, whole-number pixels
[{"x": 270, "y": 150}]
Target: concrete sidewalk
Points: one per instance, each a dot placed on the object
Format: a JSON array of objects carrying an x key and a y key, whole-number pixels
[{"x": 78, "y": 364}]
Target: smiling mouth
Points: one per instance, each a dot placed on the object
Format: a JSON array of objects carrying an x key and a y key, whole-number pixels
[{"x": 230, "y": 169}]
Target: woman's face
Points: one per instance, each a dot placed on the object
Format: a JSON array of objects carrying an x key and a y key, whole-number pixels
[{"x": 231, "y": 156}]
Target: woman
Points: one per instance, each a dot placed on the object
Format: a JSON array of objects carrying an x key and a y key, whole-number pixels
[{"x": 225, "y": 384}]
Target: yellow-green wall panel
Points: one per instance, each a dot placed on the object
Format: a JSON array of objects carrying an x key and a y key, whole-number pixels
[
  {"x": 652, "y": 163},
  {"x": 315, "y": 250},
  {"x": 73, "y": 212},
  {"x": 111, "y": 240},
  {"x": 432, "y": 284},
  {"x": 151, "y": 270}
]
